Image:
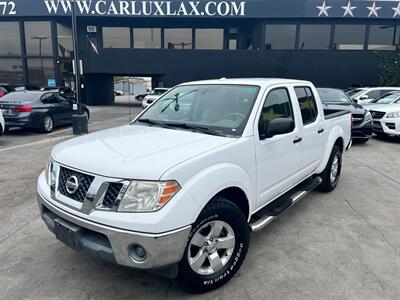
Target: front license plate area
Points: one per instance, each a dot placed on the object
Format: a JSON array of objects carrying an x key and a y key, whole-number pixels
[{"x": 68, "y": 233}]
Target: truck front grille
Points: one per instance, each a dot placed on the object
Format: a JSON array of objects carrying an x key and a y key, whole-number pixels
[
  {"x": 377, "y": 114},
  {"x": 84, "y": 182},
  {"x": 111, "y": 197}
]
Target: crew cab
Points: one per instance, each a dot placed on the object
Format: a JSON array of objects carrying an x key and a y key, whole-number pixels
[{"x": 179, "y": 190}]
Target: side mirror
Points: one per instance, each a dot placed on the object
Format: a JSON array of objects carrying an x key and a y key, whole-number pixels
[
  {"x": 354, "y": 100},
  {"x": 364, "y": 97},
  {"x": 277, "y": 126}
]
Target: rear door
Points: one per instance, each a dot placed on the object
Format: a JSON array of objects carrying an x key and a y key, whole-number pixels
[
  {"x": 52, "y": 106},
  {"x": 313, "y": 132},
  {"x": 66, "y": 109},
  {"x": 278, "y": 157}
]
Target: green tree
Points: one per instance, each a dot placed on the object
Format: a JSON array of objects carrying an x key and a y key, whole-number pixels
[{"x": 389, "y": 70}]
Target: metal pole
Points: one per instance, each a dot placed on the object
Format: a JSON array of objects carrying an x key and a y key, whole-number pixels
[
  {"x": 80, "y": 121},
  {"x": 76, "y": 60}
]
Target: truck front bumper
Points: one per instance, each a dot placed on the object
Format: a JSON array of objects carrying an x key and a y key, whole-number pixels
[{"x": 123, "y": 247}]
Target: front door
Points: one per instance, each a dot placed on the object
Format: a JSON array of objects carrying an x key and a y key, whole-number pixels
[{"x": 278, "y": 157}]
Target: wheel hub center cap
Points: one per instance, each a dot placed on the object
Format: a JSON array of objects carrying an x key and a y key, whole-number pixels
[{"x": 211, "y": 245}]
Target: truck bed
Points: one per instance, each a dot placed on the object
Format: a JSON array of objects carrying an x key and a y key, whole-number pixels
[{"x": 333, "y": 113}]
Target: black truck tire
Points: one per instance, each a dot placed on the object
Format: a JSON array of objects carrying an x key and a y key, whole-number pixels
[
  {"x": 331, "y": 174},
  {"x": 211, "y": 241}
]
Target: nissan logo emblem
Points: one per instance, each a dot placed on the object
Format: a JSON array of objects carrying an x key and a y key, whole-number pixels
[{"x": 72, "y": 184}]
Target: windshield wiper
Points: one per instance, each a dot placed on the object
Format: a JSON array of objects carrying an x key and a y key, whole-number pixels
[
  {"x": 152, "y": 122},
  {"x": 197, "y": 128}
]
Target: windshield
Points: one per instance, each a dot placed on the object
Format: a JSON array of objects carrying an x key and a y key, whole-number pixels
[
  {"x": 386, "y": 99},
  {"x": 355, "y": 93},
  {"x": 215, "y": 109},
  {"x": 332, "y": 95},
  {"x": 157, "y": 92}
]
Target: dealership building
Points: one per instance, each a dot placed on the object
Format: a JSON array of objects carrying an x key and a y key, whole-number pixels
[{"x": 335, "y": 43}]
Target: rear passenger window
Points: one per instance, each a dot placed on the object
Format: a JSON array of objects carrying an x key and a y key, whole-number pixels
[
  {"x": 276, "y": 105},
  {"x": 308, "y": 106}
]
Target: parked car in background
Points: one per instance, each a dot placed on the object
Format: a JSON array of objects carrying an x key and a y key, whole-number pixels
[
  {"x": 386, "y": 119},
  {"x": 362, "y": 128},
  {"x": 178, "y": 191},
  {"x": 41, "y": 110},
  {"x": 389, "y": 98},
  {"x": 5, "y": 89},
  {"x": 154, "y": 95},
  {"x": 365, "y": 95},
  {"x": 2, "y": 123},
  {"x": 118, "y": 93},
  {"x": 141, "y": 97}
]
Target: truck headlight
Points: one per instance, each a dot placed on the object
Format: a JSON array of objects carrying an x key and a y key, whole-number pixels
[
  {"x": 147, "y": 195},
  {"x": 368, "y": 116},
  {"x": 49, "y": 174},
  {"x": 393, "y": 115}
]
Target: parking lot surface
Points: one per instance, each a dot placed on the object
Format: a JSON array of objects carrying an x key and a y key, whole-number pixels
[{"x": 342, "y": 245}]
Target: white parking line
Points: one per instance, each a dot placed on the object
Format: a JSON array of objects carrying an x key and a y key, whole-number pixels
[
  {"x": 36, "y": 143},
  {"x": 63, "y": 130}
]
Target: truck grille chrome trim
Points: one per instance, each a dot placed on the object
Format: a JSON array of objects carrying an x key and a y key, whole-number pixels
[{"x": 92, "y": 191}]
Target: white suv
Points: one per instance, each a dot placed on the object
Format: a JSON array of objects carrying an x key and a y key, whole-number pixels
[
  {"x": 2, "y": 123},
  {"x": 387, "y": 120},
  {"x": 365, "y": 95}
]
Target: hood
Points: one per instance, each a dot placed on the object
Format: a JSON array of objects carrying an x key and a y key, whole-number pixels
[
  {"x": 374, "y": 106},
  {"x": 134, "y": 151},
  {"x": 354, "y": 108},
  {"x": 388, "y": 108}
]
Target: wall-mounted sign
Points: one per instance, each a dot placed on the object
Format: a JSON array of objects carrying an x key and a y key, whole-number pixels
[
  {"x": 206, "y": 8},
  {"x": 51, "y": 82}
]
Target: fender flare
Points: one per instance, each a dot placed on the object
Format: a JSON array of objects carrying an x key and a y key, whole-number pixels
[
  {"x": 335, "y": 134},
  {"x": 234, "y": 176}
]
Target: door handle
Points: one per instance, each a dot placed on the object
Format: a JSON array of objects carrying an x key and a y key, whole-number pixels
[
  {"x": 297, "y": 140},
  {"x": 320, "y": 130}
]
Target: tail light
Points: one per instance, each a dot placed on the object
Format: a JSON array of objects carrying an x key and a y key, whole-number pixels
[
  {"x": 23, "y": 108},
  {"x": 2, "y": 94}
]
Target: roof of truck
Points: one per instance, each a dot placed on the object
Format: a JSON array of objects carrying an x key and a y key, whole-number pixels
[{"x": 249, "y": 81}]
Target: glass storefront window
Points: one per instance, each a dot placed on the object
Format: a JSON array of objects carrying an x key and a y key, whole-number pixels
[
  {"x": 38, "y": 38},
  {"x": 178, "y": 38},
  {"x": 282, "y": 36},
  {"x": 10, "y": 44},
  {"x": 11, "y": 71},
  {"x": 349, "y": 37},
  {"x": 116, "y": 37},
  {"x": 147, "y": 38},
  {"x": 64, "y": 40},
  {"x": 314, "y": 36},
  {"x": 382, "y": 37},
  {"x": 209, "y": 38},
  {"x": 40, "y": 70}
]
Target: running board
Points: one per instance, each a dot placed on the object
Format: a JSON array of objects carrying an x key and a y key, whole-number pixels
[{"x": 270, "y": 212}]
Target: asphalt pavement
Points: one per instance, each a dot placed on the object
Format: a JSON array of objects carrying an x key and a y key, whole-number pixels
[{"x": 342, "y": 245}]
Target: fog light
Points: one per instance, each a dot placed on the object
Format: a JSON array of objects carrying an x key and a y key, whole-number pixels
[{"x": 137, "y": 253}]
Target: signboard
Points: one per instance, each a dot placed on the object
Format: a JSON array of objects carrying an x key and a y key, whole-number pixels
[
  {"x": 388, "y": 9},
  {"x": 51, "y": 82}
]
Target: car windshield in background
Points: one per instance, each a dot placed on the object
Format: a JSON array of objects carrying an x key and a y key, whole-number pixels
[
  {"x": 333, "y": 95},
  {"x": 386, "y": 99},
  {"x": 214, "y": 109},
  {"x": 20, "y": 97},
  {"x": 157, "y": 92},
  {"x": 355, "y": 93}
]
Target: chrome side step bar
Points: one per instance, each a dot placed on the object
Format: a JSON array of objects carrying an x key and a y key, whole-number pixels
[{"x": 269, "y": 213}]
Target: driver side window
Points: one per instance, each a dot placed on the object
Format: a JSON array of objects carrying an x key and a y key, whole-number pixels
[{"x": 277, "y": 105}]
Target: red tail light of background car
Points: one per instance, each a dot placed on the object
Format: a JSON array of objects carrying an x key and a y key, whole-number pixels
[{"x": 23, "y": 108}]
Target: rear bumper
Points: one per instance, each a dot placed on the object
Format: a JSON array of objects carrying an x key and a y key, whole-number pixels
[
  {"x": 114, "y": 244},
  {"x": 19, "y": 121}
]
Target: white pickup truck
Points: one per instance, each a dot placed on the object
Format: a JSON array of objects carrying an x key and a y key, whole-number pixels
[{"x": 179, "y": 190}]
